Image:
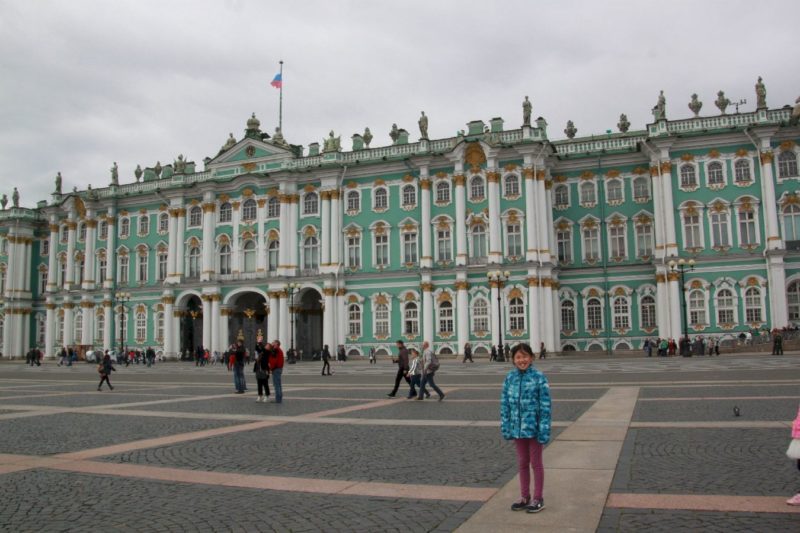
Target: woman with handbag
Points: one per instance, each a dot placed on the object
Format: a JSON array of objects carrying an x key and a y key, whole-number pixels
[
  {"x": 261, "y": 368},
  {"x": 794, "y": 453}
]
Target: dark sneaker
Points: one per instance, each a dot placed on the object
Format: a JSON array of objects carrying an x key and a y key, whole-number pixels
[
  {"x": 520, "y": 505},
  {"x": 535, "y": 506}
]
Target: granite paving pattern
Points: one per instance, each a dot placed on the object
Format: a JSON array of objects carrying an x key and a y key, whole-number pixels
[
  {"x": 245, "y": 404},
  {"x": 638, "y": 520},
  {"x": 783, "y": 410},
  {"x": 433, "y": 410}
]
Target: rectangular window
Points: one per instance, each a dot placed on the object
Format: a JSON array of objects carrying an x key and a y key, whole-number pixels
[
  {"x": 691, "y": 225},
  {"x": 514, "y": 235},
  {"x": 444, "y": 247},
  {"x": 564, "y": 245},
  {"x": 591, "y": 244},
  {"x": 123, "y": 269},
  {"x": 719, "y": 229},
  {"x": 162, "y": 267},
  {"x": 617, "y": 238},
  {"x": 42, "y": 282},
  {"x": 747, "y": 228},
  {"x": 382, "y": 250},
  {"x": 382, "y": 320},
  {"x": 101, "y": 270},
  {"x": 409, "y": 247},
  {"x": 644, "y": 240},
  {"x": 354, "y": 251},
  {"x": 142, "y": 269}
]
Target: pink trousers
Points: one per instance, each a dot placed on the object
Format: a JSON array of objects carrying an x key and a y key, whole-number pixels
[{"x": 529, "y": 455}]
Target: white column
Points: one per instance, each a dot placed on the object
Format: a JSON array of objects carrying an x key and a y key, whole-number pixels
[
  {"x": 207, "y": 270},
  {"x": 293, "y": 236},
  {"x": 172, "y": 251},
  {"x": 495, "y": 241},
  {"x": 534, "y": 311},
  {"x": 546, "y": 225},
  {"x": 328, "y": 332},
  {"x": 341, "y": 309},
  {"x": 549, "y": 227},
  {"x": 8, "y": 336},
  {"x": 462, "y": 314},
  {"x": 546, "y": 295},
  {"x": 24, "y": 342},
  {"x": 675, "y": 308},
  {"x": 274, "y": 316},
  {"x": 770, "y": 206},
  {"x": 169, "y": 331},
  {"x": 532, "y": 232},
  {"x": 71, "y": 225},
  {"x": 461, "y": 221},
  {"x": 261, "y": 238},
  {"x": 89, "y": 259},
  {"x": 108, "y": 330},
  {"x": 658, "y": 215},
  {"x": 325, "y": 255},
  {"x": 426, "y": 229},
  {"x": 176, "y": 328},
  {"x": 206, "y": 301},
  {"x": 11, "y": 271},
  {"x": 283, "y": 250},
  {"x": 235, "y": 217},
  {"x": 215, "y": 344},
  {"x": 427, "y": 312},
  {"x": 224, "y": 332},
  {"x": 671, "y": 246},
  {"x": 52, "y": 259},
  {"x": 69, "y": 328},
  {"x": 283, "y": 320},
  {"x": 87, "y": 333},
  {"x": 663, "y": 316},
  {"x": 111, "y": 251},
  {"x": 336, "y": 233},
  {"x": 179, "y": 248},
  {"x": 777, "y": 292},
  {"x": 494, "y": 312},
  {"x": 28, "y": 245},
  {"x": 50, "y": 330}
]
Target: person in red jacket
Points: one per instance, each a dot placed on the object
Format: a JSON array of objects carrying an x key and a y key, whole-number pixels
[{"x": 276, "y": 369}]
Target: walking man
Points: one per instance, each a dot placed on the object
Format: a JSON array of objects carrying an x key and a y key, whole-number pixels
[
  {"x": 238, "y": 368},
  {"x": 402, "y": 368},
  {"x": 276, "y": 369},
  {"x": 467, "y": 353},
  {"x": 326, "y": 360},
  {"x": 430, "y": 364}
]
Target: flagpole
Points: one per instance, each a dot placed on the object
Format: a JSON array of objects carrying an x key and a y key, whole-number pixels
[{"x": 280, "y": 101}]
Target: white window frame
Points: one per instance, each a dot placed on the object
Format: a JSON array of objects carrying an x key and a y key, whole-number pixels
[
  {"x": 516, "y": 314},
  {"x": 354, "y": 317},
  {"x": 195, "y": 217},
  {"x": 124, "y": 227},
  {"x": 644, "y": 311},
  {"x": 445, "y": 318},
  {"x": 743, "y": 166},
  {"x": 617, "y": 187},
  {"x": 353, "y": 250},
  {"x": 686, "y": 171},
  {"x": 480, "y": 322},
  {"x": 225, "y": 213},
  {"x": 143, "y": 225},
  {"x": 637, "y": 189},
  {"x": 511, "y": 186},
  {"x": 568, "y": 322},
  {"x": 353, "y": 201},
  {"x": 477, "y": 184},
  {"x": 561, "y": 196},
  {"x": 594, "y": 318},
  {"x": 406, "y": 196},
  {"x": 787, "y": 164},
  {"x": 249, "y": 210},
  {"x": 724, "y": 178},
  {"x": 443, "y": 195},
  {"x": 587, "y": 192},
  {"x": 385, "y": 200},
  {"x": 273, "y": 207},
  {"x": 310, "y": 204},
  {"x": 621, "y": 312},
  {"x": 721, "y": 306},
  {"x": 411, "y": 319}
]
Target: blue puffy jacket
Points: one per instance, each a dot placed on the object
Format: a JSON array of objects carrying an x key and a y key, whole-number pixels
[{"x": 525, "y": 406}]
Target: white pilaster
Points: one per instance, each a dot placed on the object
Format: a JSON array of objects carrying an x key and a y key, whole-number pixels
[
  {"x": 545, "y": 218},
  {"x": 546, "y": 295},
  {"x": 207, "y": 270},
  {"x": 207, "y": 323},
  {"x": 89, "y": 259},
  {"x": 293, "y": 235},
  {"x": 224, "y": 325},
  {"x": 532, "y": 232},
  {"x": 426, "y": 261},
  {"x": 52, "y": 259},
  {"x": 216, "y": 339},
  {"x": 87, "y": 310},
  {"x": 774, "y": 241},
  {"x": 663, "y": 315},
  {"x": 111, "y": 251},
  {"x": 671, "y": 246},
  {"x": 462, "y": 314},
  {"x": 50, "y": 329},
  {"x": 273, "y": 331},
  {"x": 428, "y": 321},
  {"x": 495, "y": 291},
  {"x": 283, "y": 320},
  {"x": 336, "y": 234},
  {"x": 328, "y": 332},
  {"x": 675, "y": 308},
  {"x": 534, "y": 310},
  {"x": 261, "y": 237},
  {"x": 659, "y": 214},
  {"x": 71, "y": 226},
  {"x": 495, "y": 240},
  {"x": 180, "y": 254},
  {"x": 172, "y": 251},
  {"x": 69, "y": 327},
  {"x": 777, "y": 291},
  {"x": 169, "y": 332},
  {"x": 459, "y": 192},
  {"x": 108, "y": 330},
  {"x": 325, "y": 254}
]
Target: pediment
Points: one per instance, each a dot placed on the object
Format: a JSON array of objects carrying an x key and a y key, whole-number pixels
[{"x": 251, "y": 151}]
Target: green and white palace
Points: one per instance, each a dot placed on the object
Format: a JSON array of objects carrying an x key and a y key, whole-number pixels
[{"x": 493, "y": 235}]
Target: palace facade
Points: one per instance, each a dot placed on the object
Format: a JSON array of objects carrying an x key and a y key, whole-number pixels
[{"x": 322, "y": 246}]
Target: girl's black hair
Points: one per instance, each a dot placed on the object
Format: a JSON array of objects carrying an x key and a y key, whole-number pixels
[{"x": 522, "y": 347}]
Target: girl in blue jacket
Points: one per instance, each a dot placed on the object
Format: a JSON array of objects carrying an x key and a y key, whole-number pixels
[{"x": 525, "y": 419}]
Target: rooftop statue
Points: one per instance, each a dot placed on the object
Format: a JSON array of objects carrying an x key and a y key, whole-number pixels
[
  {"x": 660, "y": 110},
  {"x": 423, "y": 126},
  {"x": 571, "y": 130},
  {"x": 278, "y": 137},
  {"x": 157, "y": 169},
  {"x": 4, "y": 201},
  {"x": 761, "y": 94},
  {"x": 138, "y": 172},
  {"x": 332, "y": 144},
  {"x": 15, "y": 197},
  {"x": 527, "y": 109},
  {"x": 722, "y": 102},
  {"x": 623, "y": 123},
  {"x": 795, "y": 113},
  {"x": 367, "y": 136},
  {"x": 92, "y": 194},
  {"x": 394, "y": 134},
  {"x": 115, "y": 174},
  {"x": 180, "y": 165},
  {"x": 695, "y": 105},
  {"x": 58, "y": 183},
  {"x": 229, "y": 143}
]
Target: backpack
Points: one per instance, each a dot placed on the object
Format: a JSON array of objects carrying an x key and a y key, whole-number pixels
[{"x": 433, "y": 366}]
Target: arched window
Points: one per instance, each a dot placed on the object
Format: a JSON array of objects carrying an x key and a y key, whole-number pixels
[
  {"x": 715, "y": 174},
  {"x": 445, "y": 318},
  {"x": 144, "y": 224},
  {"x": 478, "y": 249},
  {"x": 480, "y": 315},
  {"x": 382, "y": 320},
  {"x": 516, "y": 314},
  {"x": 688, "y": 176},
  {"x": 354, "y": 320},
  {"x": 561, "y": 196},
  {"x": 272, "y": 255},
  {"x": 225, "y": 212},
  {"x": 621, "y": 309},
  {"x": 195, "y": 217},
  {"x": 411, "y": 319},
  {"x": 616, "y": 237},
  {"x": 310, "y": 253},
  {"x": 697, "y": 307},
  {"x": 141, "y": 267},
  {"x": 477, "y": 189},
  {"x": 644, "y": 239},
  {"x": 353, "y": 201},
  {"x": 641, "y": 189},
  {"x": 273, "y": 207},
  {"x": 193, "y": 270},
  {"x": 787, "y": 164},
  {"x": 614, "y": 190},
  {"x": 725, "y": 308},
  {"x": 409, "y": 196},
  {"x": 793, "y": 301},
  {"x": 567, "y": 316},
  {"x": 163, "y": 222},
  {"x": 124, "y": 228},
  {"x": 741, "y": 169},
  {"x": 225, "y": 259},
  {"x": 249, "y": 252},
  {"x": 443, "y": 192},
  {"x": 381, "y": 198},
  {"x": 752, "y": 305},
  {"x": 588, "y": 196},
  {"x": 249, "y": 209},
  {"x": 512, "y": 186},
  {"x": 77, "y": 336},
  {"x": 791, "y": 222},
  {"x": 310, "y": 203},
  {"x": 594, "y": 314},
  {"x": 648, "y": 307},
  {"x": 141, "y": 326}
]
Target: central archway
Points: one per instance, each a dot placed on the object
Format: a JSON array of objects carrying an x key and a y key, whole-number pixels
[
  {"x": 248, "y": 319},
  {"x": 308, "y": 323}
]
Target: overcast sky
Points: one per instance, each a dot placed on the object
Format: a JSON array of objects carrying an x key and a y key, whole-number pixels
[{"x": 85, "y": 83}]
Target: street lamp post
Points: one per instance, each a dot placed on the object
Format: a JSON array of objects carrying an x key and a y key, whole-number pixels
[
  {"x": 681, "y": 266},
  {"x": 122, "y": 298},
  {"x": 499, "y": 278},
  {"x": 292, "y": 288}
]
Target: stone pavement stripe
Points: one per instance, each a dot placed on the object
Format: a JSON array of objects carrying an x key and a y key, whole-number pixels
[
  {"x": 744, "y": 424},
  {"x": 709, "y": 398},
  {"x": 579, "y": 467},
  {"x": 349, "y": 409},
  {"x": 704, "y": 502},
  {"x": 165, "y": 441}
]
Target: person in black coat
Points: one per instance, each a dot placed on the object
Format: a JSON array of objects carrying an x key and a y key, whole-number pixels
[
  {"x": 326, "y": 360},
  {"x": 105, "y": 369}
]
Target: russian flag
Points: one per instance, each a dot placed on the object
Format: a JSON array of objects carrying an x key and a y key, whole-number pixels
[{"x": 277, "y": 81}]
